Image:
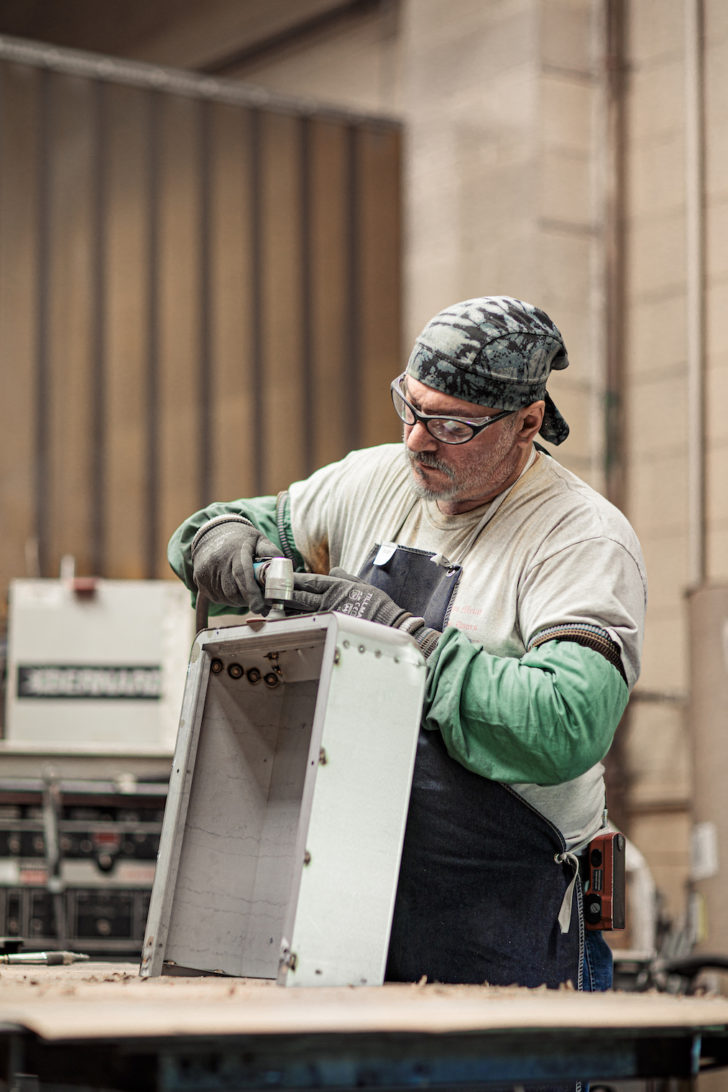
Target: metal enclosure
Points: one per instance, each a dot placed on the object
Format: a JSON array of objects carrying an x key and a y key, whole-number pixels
[{"x": 287, "y": 803}]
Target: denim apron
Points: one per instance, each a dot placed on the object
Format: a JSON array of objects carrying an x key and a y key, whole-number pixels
[{"x": 486, "y": 890}]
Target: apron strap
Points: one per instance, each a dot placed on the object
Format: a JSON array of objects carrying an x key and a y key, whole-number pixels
[{"x": 566, "y": 904}]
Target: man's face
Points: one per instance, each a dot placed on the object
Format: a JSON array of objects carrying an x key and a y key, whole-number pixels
[{"x": 462, "y": 476}]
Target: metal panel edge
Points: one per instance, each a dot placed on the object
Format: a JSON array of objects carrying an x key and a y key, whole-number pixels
[{"x": 175, "y": 812}]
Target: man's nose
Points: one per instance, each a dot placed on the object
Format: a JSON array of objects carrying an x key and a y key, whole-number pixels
[{"x": 418, "y": 438}]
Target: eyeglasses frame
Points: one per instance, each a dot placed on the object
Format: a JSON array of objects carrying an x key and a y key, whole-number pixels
[{"x": 476, "y": 423}]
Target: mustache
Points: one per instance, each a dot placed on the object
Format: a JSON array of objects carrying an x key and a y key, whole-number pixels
[{"x": 424, "y": 458}]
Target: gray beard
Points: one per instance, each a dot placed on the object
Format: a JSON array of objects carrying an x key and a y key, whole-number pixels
[
  {"x": 423, "y": 491},
  {"x": 471, "y": 479}
]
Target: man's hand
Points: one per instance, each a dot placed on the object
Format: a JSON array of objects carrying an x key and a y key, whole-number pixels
[
  {"x": 223, "y": 552},
  {"x": 347, "y": 594}
]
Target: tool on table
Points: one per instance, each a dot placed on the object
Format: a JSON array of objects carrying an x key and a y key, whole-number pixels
[{"x": 49, "y": 959}]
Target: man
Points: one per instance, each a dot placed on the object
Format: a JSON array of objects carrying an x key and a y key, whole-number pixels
[{"x": 525, "y": 590}]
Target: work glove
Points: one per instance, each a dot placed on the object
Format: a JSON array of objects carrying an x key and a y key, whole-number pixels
[
  {"x": 347, "y": 594},
  {"x": 223, "y": 552}
]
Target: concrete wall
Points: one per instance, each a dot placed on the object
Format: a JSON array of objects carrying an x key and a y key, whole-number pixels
[
  {"x": 716, "y": 198},
  {"x": 501, "y": 103},
  {"x": 661, "y": 444},
  {"x": 656, "y": 423},
  {"x": 500, "y": 114}
]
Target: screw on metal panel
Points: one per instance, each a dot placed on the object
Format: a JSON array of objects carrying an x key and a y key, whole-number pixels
[
  {"x": 307, "y": 858},
  {"x": 271, "y": 679},
  {"x": 216, "y": 667},
  {"x": 236, "y": 671},
  {"x": 253, "y": 674},
  {"x": 289, "y": 959},
  {"x": 323, "y": 757}
]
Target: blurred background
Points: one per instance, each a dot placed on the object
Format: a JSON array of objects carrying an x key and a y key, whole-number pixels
[{"x": 222, "y": 225}]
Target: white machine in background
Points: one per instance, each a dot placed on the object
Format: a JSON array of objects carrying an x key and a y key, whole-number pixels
[
  {"x": 95, "y": 677},
  {"x": 96, "y": 665}
]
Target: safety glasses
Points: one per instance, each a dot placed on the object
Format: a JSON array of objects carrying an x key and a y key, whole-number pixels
[{"x": 446, "y": 430}]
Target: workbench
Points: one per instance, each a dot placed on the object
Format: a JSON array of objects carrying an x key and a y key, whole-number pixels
[{"x": 99, "y": 1025}]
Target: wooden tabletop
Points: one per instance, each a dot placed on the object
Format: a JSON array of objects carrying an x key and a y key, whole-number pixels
[{"x": 98, "y": 1000}]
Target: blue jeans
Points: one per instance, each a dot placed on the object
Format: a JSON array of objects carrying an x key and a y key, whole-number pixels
[{"x": 598, "y": 963}]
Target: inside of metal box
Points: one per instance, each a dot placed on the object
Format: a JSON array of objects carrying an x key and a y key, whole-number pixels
[{"x": 243, "y": 828}]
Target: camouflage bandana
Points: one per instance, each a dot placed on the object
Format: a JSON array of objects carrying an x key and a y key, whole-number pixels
[{"x": 494, "y": 351}]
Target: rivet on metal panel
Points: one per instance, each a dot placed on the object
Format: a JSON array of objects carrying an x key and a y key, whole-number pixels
[
  {"x": 377, "y": 652},
  {"x": 288, "y": 958},
  {"x": 307, "y": 858},
  {"x": 362, "y": 648},
  {"x": 236, "y": 671},
  {"x": 346, "y": 644},
  {"x": 271, "y": 679},
  {"x": 216, "y": 667},
  {"x": 254, "y": 675},
  {"x": 323, "y": 757},
  {"x": 337, "y": 656}
]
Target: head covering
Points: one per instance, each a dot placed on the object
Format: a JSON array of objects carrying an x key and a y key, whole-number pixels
[{"x": 493, "y": 351}]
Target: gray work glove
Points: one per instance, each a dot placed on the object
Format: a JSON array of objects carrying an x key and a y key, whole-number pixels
[
  {"x": 223, "y": 552},
  {"x": 348, "y": 594}
]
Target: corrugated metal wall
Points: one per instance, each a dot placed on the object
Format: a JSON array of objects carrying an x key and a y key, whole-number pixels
[{"x": 199, "y": 299}]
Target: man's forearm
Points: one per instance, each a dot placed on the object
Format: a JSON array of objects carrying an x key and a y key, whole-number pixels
[{"x": 544, "y": 718}]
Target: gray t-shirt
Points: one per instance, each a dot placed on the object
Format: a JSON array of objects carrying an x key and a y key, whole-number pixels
[{"x": 549, "y": 551}]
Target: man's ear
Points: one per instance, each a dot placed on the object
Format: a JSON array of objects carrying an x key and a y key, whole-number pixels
[{"x": 529, "y": 422}]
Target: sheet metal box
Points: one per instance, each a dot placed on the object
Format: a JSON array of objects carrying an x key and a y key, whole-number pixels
[{"x": 287, "y": 802}]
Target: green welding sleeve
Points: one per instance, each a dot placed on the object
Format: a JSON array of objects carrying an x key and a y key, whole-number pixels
[{"x": 544, "y": 718}]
